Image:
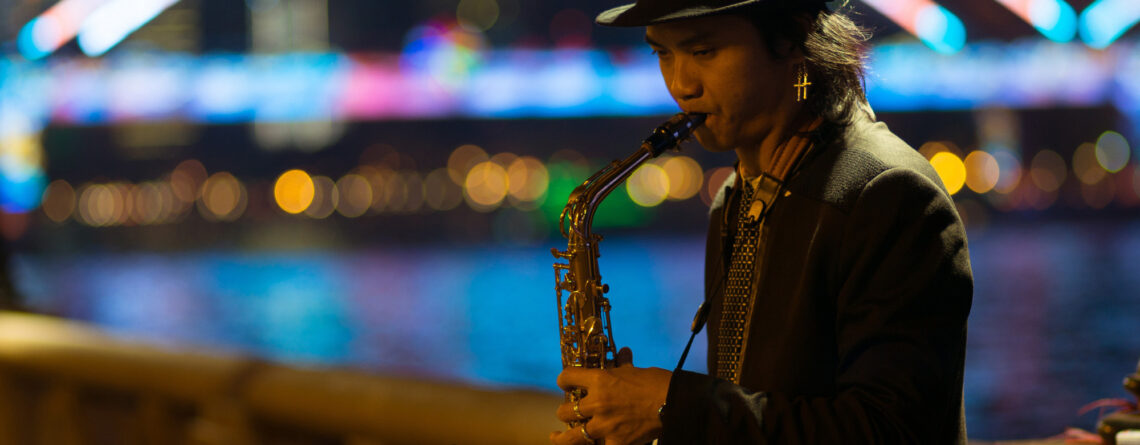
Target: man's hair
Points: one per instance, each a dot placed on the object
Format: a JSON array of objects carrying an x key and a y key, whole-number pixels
[{"x": 833, "y": 48}]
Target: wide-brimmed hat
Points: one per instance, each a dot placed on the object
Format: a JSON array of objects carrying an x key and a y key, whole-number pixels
[{"x": 648, "y": 12}]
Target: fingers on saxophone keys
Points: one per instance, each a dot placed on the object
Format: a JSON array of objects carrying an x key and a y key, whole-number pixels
[
  {"x": 572, "y": 436},
  {"x": 567, "y": 414},
  {"x": 574, "y": 377}
]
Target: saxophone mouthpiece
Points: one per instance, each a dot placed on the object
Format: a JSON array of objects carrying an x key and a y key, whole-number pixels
[{"x": 673, "y": 131}]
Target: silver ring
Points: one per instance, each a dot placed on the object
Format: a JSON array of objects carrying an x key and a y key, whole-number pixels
[
  {"x": 587, "y": 435},
  {"x": 577, "y": 412}
]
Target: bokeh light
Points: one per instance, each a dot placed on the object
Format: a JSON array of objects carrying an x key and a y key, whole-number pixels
[
  {"x": 325, "y": 198},
  {"x": 1128, "y": 195},
  {"x": 1047, "y": 170},
  {"x": 951, "y": 169},
  {"x": 98, "y": 204},
  {"x": 1085, "y": 165},
  {"x": 1099, "y": 195},
  {"x": 377, "y": 180},
  {"x": 982, "y": 171},
  {"x": 462, "y": 159},
  {"x": 443, "y": 52},
  {"x": 125, "y": 193},
  {"x": 403, "y": 192},
  {"x": 528, "y": 181},
  {"x": 931, "y": 148},
  {"x": 486, "y": 186},
  {"x": 22, "y": 178},
  {"x": 1112, "y": 151},
  {"x": 440, "y": 192},
  {"x": 223, "y": 198},
  {"x": 294, "y": 191},
  {"x": 355, "y": 194},
  {"x": 392, "y": 191},
  {"x": 477, "y": 15},
  {"x": 153, "y": 203},
  {"x": 59, "y": 201},
  {"x": 685, "y": 177},
  {"x": 648, "y": 186},
  {"x": 714, "y": 179},
  {"x": 186, "y": 179},
  {"x": 1009, "y": 171}
]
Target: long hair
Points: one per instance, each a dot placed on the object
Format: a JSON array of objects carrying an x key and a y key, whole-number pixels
[{"x": 834, "y": 50}]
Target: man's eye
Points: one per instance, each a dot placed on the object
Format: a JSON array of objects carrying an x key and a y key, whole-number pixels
[
  {"x": 660, "y": 52},
  {"x": 703, "y": 52}
]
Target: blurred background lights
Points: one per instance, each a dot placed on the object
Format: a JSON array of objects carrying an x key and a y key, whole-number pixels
[
  {"x": 1099, "y": 195},
  {"x": 462, "y": 159},
  {"x": 648, "y": 186},
  {"x": 392, "y": 191},
  {"x": 935, "y": 26},
  {"x": 1048, "y": 170},
  {"x": 404, "y": 192},
  {"x": 982, "y": 171},
  {"x": 294, "y": 191},
  {"x": 931, "y": 148},
  {"x": 504, "y": 159},
  {"x": 59, "y": 201},
  {"x": 99, "y": 204},
  {"x": 1136, "y": 181},
  {"x": 223, "y": 197},
  {"x": 939, "y": 29},
  {"x": 685, "y": 177},
  {"x": 1104, "y": 21},
  {"x": 443, "y": 52},
  {"x": 486, "y": 186},
  {"x": 186, "y": 179},
  {"x": 325, "y": 198},
  {"x": 1112, "y": 151},
  {"x": 714, "y": 180},
  {"x": 114, "y": 21},
  {"x": 527, "y": 180},
  {"x": 38, "y": 38},
  {"x": 355, "y": 195},
  {"x": 47, "y": 32},
  {"x": 154, "y": 203},
  {"x": 950, "y": 169},
  {"x": 1009, "y": 170},
  {"x": 477, "y": 15},
  {"x": 22, "y": 178},
  {"x": 1055, "y": 19},
  {"x": 440, "y": 191},
  {"x": 1085, "y": 165}
]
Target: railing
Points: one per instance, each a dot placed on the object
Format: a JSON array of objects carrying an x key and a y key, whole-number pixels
[{"x": 62, "y": 383}]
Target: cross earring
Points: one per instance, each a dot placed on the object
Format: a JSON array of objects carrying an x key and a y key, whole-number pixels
[{"x": 801, "y": 83}]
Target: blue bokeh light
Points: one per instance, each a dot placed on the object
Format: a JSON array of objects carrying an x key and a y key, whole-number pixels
[
  {"x": 1055, "y": 19},
  {"x": 1104, "y": 21},
  {"x": 940, "y": 29}
]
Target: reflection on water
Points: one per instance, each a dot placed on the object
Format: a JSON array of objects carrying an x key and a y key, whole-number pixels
[{"x": 1055, "y": 324}]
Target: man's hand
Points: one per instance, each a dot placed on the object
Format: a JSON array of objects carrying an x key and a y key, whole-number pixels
[{"x": 621, "y": 403}]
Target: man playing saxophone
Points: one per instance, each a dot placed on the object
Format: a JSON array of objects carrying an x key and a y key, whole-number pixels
[{"x": 837, "y": 273}]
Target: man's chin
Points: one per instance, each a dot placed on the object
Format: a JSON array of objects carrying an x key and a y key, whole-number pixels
[{"x": 710, "y": 144}]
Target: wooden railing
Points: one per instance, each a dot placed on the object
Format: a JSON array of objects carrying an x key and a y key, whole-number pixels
[{"x": 62, "y": 383}]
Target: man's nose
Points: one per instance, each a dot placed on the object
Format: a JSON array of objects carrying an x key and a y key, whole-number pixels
[{"x": 685, "y": 84}]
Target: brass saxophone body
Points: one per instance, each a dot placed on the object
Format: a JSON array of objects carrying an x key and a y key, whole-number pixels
[{"x": 584, "y": 330}]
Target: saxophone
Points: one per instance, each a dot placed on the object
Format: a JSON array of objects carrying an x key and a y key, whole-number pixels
[{"x": 584, "y": 321}]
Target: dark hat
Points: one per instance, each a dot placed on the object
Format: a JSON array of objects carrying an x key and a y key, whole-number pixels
[{"x": 648, "y": 12}]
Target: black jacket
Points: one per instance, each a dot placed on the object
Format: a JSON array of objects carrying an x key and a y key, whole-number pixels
[{"x": 860, "y": 299}]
